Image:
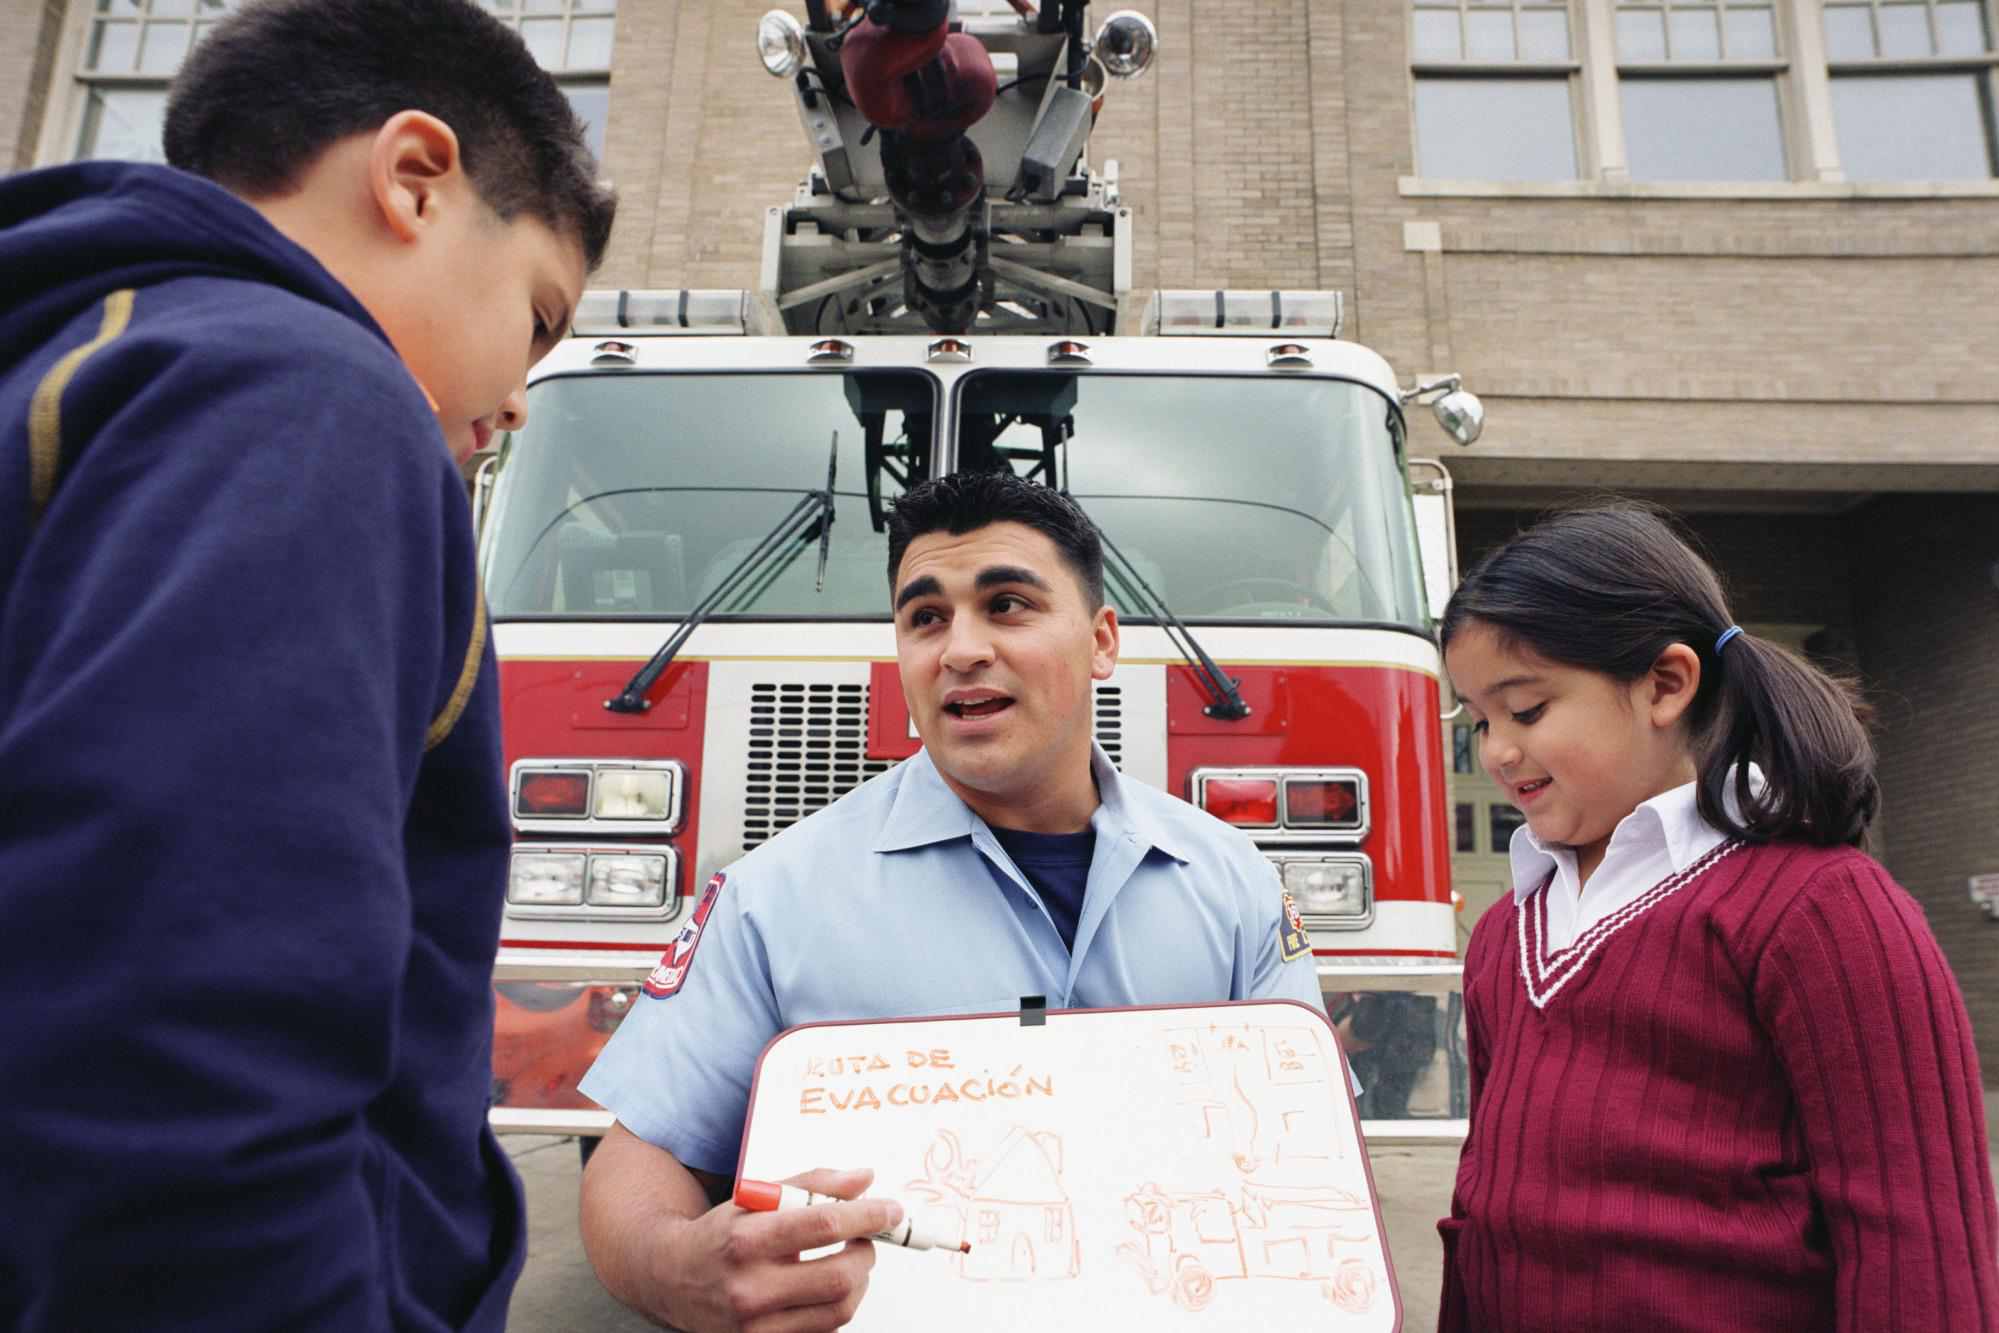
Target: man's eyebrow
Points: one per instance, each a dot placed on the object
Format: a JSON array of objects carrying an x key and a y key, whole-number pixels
[
  {"x": 992, "y": 576},
  {"x": 927, "y": 586}
]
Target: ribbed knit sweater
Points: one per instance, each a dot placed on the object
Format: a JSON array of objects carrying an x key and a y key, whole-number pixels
[{"x": 1749, "y": 1101}]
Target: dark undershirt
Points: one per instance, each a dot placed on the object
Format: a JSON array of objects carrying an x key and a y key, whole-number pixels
[{"x": 1058, "y": 866}]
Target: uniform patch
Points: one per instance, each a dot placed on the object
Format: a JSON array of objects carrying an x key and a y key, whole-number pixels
[
  {"x": 1292, "y": 939},
  {"x": 667, "y": 978}
]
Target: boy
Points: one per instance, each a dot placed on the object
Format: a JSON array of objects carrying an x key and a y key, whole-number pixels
[{"x": 253, "y": 833}]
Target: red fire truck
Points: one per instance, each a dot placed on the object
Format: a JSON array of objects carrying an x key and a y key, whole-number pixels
[{"x": 684, "y": 556}]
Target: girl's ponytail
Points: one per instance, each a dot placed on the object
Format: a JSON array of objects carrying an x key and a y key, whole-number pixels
[
  {"x": 1803, "y": 728},
  {"x": 1609, "y": 588}
]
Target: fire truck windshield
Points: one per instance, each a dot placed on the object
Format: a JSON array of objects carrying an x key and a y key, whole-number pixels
[
  {"x": 1236, "y": 499},
  {"x": 638, "y": 495}
]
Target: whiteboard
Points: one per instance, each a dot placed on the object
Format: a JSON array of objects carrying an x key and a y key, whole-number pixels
[{"x": 1187, "y": 1167}]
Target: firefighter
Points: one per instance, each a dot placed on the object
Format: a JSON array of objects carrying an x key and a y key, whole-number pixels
[
  {"x": 253, "y": 832},
  {"x": 1006, "y": 859}
]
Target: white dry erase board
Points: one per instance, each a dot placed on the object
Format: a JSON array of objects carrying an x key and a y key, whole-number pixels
[{"x": 1191, "y": 1167}]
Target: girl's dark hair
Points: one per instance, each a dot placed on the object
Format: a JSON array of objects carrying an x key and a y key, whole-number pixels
[
  {"x": 280, "y": 81},
  {"x": 1610, "y": 587}
]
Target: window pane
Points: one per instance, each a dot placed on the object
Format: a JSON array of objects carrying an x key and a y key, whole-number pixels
[
  {"x": 1695, "y": 34},
  {"x": 544, "y": 39},
  {"x": 1495, "y": 129},
  {"x": 1465, "y": 816},
  {"x": 124, "y": 123},
  {"x": 166, "y": 47},
  {"x": 176, "y": 9},
  {"x": 1751, "y": 33},
  {"x": 1905, "y": 30},
  {"x": 114, "y": 47},
  {"x": 1849, "y": 32},
  {"x": 592, "y": 104},
  {"x": 1436, "y": 35},
  {"x": 1641, "y": 35},
  {"x": 1505, "y": 819},
  {"x": 1544, "y": 34},
  {"x": 1489, "y": 34},
  {"x": 541, "y": 6},
  {"x": 1912, "y": 127},
  {"x": 1703, "y": 129},
  {"x": 590, "y": 43},
  {"x": 1961, "y": 29}
]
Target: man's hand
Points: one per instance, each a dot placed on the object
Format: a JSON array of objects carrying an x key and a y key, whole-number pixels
[
  {"x": 729, "y": 1269},
  {"x": 659, "y": 1247}
]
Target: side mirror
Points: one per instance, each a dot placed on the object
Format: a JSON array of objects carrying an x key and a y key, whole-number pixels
[{"x": 1457, "y": 408}]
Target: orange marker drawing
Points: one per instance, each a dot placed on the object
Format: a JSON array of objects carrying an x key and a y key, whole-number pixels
[{"x": 764, "y": 1196}]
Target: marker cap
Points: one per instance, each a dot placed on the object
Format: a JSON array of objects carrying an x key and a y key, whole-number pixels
[{"x": 758, "y": 1196}]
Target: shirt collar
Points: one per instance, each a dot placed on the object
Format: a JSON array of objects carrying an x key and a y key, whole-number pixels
[
  {"x": 927, "y": 811},
  {"x": 1672, "y": 816}
]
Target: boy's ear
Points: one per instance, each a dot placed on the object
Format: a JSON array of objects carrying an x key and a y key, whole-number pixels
[
  {"x": 1673, "y": 682},
  {"x": 411, "y": 164}
]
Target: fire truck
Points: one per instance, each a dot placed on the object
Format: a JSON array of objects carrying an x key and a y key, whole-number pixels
[{"x": 684, "y": 557}]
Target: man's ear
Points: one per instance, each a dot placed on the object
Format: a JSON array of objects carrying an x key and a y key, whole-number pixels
[
  {"x": 412, "y": 164},
  {"x": 1104, "y": 649},
  {"x": 1672, "y": 683}
]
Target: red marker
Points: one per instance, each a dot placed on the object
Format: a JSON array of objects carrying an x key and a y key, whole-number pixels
[{"x": 765, "y": 1196}]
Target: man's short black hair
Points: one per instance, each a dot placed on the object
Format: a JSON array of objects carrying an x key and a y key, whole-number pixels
[
  {"x": 279, "y": 82},
  {"x": 967, "y": 501}
]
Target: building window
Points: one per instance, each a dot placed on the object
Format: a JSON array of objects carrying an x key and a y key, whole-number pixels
[
  {"x": 1493, "y": 89},
  {"x": 132, "y": 48},
  {"x": 1465, "y": 815},
  {"x": 1930, "y": 116},
  {"x": 1505, "y": 819},
  {"x": 1464, "y": 750},
  {"x": 1698, "y": 85},
  {"x": 572, "y": 40}
]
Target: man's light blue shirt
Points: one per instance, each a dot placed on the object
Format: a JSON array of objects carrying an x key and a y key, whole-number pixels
[{"x": 898, "y": 901}]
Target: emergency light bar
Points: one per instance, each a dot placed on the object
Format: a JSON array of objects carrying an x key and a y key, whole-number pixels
[
  {"x": 681, "y": 310},
  {"x": 1245, "y": 314}
]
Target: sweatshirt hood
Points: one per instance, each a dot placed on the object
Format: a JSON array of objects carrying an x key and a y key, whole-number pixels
[{"x": 71, "y": 235}]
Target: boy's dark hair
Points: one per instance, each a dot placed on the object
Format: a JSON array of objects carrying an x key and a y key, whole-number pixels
[
  {"x": 1610, "y": 587},
  {"x": 965, "y": 501},
  {"x": 280, "y": 81}
]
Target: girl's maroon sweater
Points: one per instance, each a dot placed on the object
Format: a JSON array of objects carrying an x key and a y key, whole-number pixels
[{"x": 1748, "y": 1101}]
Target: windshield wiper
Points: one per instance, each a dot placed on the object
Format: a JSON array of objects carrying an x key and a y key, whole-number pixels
[
  {"x": 1225, "y": 699},
  {"x": 813, "y": 506}
]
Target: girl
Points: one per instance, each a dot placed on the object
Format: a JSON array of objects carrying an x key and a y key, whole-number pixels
[{"x": 1721, "y": 1076}]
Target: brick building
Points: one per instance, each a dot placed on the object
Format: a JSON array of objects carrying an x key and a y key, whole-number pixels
[{"x": 1738, "y": 257}]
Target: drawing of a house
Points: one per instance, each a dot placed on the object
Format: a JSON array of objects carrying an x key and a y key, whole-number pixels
[{"x": 1016, "y": 1212}]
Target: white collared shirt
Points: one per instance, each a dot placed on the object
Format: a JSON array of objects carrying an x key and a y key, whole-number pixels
[{"x": 1661, "y": 837}]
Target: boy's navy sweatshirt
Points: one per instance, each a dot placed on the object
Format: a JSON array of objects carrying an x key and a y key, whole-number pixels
[{"x": 253, "y": 830}]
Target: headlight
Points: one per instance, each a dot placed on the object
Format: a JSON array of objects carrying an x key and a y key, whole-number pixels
[
  {"x": 633, "y": 793},
  {"x": 627, "y": 880},
  {"x": 546, "y": 879},
  {"x": 1337, "y": 890},
  {"x": 584, "y": 797}
]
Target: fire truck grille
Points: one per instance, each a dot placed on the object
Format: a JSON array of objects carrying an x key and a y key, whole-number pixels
[{"x": 809, "y": 747}]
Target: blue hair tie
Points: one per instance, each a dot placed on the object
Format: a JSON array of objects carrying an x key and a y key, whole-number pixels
[{"x": 1726, "y": 635}]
